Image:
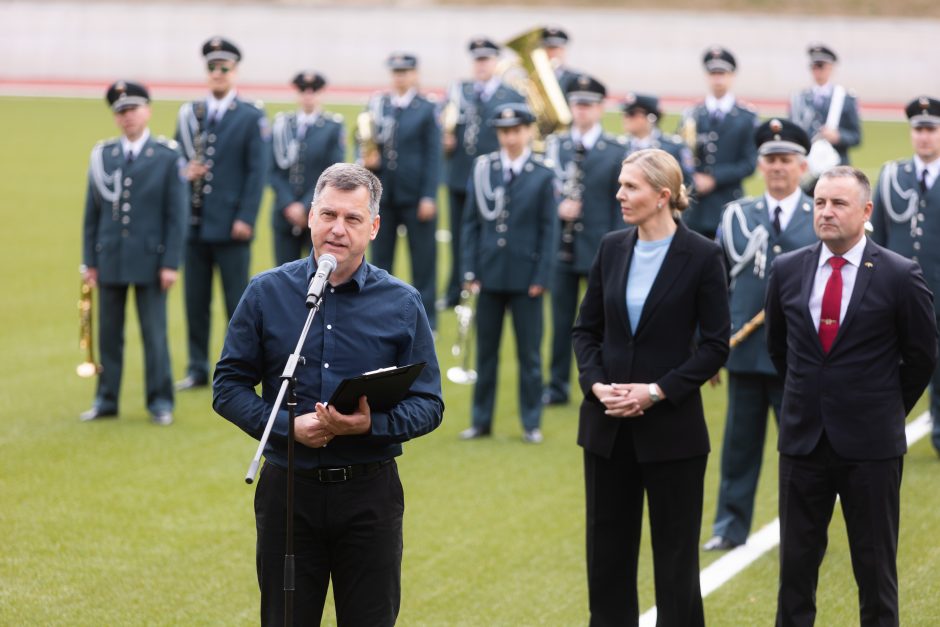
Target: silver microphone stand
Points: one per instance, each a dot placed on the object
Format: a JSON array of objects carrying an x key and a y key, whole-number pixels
[{"x": 288, "y": 388}]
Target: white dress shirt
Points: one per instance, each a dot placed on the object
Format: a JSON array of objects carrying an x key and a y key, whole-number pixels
[
  {"x": 218, "y": 107},
  {"x": 588, "y": 139},
  {"x": 404, "y": 100},
  {"x": 933, "y": 169},
  {"x": 135, "y": 147},
  {"x": 787, "y": 206},
  {"x": 723, "y": 104},
  {"x": 823, "y": 270},
  {"x": 513, "y": 164}
]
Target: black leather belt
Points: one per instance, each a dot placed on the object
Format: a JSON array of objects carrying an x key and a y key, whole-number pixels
[{"x": 342, "y": 473}]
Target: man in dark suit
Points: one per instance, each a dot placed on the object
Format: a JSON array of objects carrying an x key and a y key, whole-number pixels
[
  {"x": 467, "y": 135},
  {"x": 725, "y": 153},
  {"x": 133, "y": 236},
  {"x": 407, "y": 160},
  {"x": 851, "y": 327},
  {"x": 586, "y": 161},
  {"x": 905, "y": 211},
  {"x": 812, "y": 107},
  {"x": 509, "y": 230},
  {"x": 224, "y": 140},
  {"x": 753, "y": 232},
  {"x": 304, "y": 143}
]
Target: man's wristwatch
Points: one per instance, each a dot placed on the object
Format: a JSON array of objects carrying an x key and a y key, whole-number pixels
[{"x": 654, "y": 393}]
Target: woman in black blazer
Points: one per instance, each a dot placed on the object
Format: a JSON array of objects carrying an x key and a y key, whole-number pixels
[{"x": 653, "y": 327}]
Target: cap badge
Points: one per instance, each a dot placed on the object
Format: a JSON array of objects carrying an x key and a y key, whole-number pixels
[
  {"x": 924, "y": 103},
  {"x": 630, "y": 99},
  {"x": 216, "y": 43},
  {"x": 507, "y": 113},
  {"x": 584, "y": 81},
  {"x": 776, "y": 126}
]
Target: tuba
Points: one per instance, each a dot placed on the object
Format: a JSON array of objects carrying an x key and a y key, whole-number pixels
[
  {"x": 87, "y": 368},
  {"x": 533, "y": 77},
  {"x": 466, "y": 314}
]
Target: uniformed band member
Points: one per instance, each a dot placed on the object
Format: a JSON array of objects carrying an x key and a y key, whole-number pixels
[
  {"x": 586, "y": 161},
  {"x": 906, "y": 215},
  {"x": 304, "y": 143},
  {"x": 224, "y": 140},
  {"x": 474, "y": 102},
  {"x": 813, "y": 107},
  {"x": 508, "y": 247},
  {"x": 724, "y": 144},
  {"x": 555, "y": 43},
  {"x": 408, "y": 138},
  {"x": 641, "y": 115},
  {"x": 133, "y": 235},
  {"x": 753, "y": 232}
]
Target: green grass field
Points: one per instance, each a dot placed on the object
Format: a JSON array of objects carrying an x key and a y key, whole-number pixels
[{"x": 123, "y": 523}]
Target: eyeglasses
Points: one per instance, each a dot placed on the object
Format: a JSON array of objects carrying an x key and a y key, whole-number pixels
[{"x": 212, "y": 67}]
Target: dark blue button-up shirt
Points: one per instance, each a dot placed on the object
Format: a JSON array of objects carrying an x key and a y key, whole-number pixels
[{"x": 372, "y": 321}]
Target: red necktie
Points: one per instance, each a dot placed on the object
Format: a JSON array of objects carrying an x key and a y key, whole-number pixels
[{"x": 831, "y": 305}]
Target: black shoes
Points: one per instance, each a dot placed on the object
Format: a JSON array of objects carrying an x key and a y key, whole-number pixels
[
  {"x": 549, "y": 399},
  {"x": 96, "y": 414},
  {"x": 474, "y": 433},
  {"x": 719, "y": 543},
  {"x": 189, "y": 382},
  {"x": 162, "y": 418}
]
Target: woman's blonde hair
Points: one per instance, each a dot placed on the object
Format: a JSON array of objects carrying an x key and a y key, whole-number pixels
[{"x": 661, "y": 171}]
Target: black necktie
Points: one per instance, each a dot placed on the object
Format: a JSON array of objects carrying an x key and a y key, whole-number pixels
[
  {"x": 923, "y": 182},
  {"x": 510, "y": 176},
  {"x": 129, "y": 157},
  {"x": 777, "y": 220},
  {"x": 715, "y": 117}
]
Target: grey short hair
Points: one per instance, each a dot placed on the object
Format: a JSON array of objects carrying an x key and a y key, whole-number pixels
[
  {"x": 848, "y": 172},
  {"x": 348, "y": 177}
]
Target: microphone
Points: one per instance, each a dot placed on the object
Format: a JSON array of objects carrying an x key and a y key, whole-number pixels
[{"x": 326, "y": 264}]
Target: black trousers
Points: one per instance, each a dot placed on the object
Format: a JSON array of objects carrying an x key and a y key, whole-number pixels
[
  {"x": 350, "y": 532},
  {"x": 614, "y": 490},
  {"x": 458, "y": 197},
  {"x": 233, "y": 260},
  {"x": 870, "y": 494}
]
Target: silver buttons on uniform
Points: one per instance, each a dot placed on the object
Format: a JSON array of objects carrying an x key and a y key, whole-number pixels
[
  {"x": 207, "y": 189},
  {"x": 501, "y": 242}
]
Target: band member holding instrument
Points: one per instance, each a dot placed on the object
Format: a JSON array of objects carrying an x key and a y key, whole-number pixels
[
  {"x": 224, "y": 140},
  {"x": 641, "y": 115},
  {"x": 753, "y": 232},
  {"x": 724, "y": 144},
  {"x": 906, "y": 214},
  {"x": 474, "y": 102},
  {"x": 133, "y": 236},
  {"x": 586, "y": 161},
  {"x": 827, "y": 111},
  {"x": 653, "y": 328},
  {"x": 555, "y": 43},
  {"x": 407, "y": 136},
  {"x": 509, "y": 236},
  {"x": 304, "y": 143}
]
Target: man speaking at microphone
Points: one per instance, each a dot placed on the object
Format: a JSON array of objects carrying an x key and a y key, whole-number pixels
[{"x": 348, "y": 497}]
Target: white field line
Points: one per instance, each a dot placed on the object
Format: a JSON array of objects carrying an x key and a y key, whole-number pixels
[{"x": 736, "y": 560}]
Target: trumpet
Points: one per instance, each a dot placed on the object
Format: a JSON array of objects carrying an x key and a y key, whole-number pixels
[
  {"x": 88, "y": 368},
  {"x": 466, "y": 313}
]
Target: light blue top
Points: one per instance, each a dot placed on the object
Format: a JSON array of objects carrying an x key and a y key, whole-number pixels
[{"x": 647, "y": 260}]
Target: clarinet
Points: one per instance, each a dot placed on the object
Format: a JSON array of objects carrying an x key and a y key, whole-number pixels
[
  {"x": 199, "y": 149},
  {"x": 573, "y": 190}
]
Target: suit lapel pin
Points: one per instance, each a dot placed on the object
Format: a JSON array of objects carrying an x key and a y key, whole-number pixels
[{"x": 869, "y": 264}]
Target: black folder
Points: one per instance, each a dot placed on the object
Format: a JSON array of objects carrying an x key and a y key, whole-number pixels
[{"x": 384, "y": 388}]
